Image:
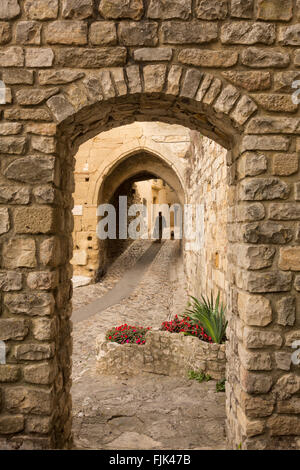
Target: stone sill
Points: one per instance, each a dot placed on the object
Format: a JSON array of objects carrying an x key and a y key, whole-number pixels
[{"x": 164, "y": 353}]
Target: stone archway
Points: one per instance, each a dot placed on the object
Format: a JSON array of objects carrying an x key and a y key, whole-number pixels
[{"x": 75, "y": 81}]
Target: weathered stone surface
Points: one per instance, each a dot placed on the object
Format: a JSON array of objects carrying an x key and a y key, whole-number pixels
[
  {"x": 250, "y": 212},
  {"x": 10, "y": 280},
  {"x": 138, "y": 34},
  {"x": 33, "y": 304},
  {"x": 43, "y": 329},
  {"x": 251, "y": 81},
  {"x": 254, "y": 338},
  {"x": 19, "y": 253},
  {"x": 243, "y": 110},
  {"x": 91, "y": 58},
  {"x": 66, "y": 32},
  {"x": 283, "y": 81},
  {"x": 271, "y": 281},
  {"x": 289, "y": 259},
  {"x": 264, "y": 58},
  {"x": 255, "y": 383},
  {"x": 11, "y": 424},
  {"x": 168, "y": 9},
  {"x": 5, "y": 32},
  {"x": 290, "y": 35},
  {"x": 286, "y": 310},
  {"x": 42, "y": 280},
  {"x": 252, "y": 164},
  {"x": 12, "y": 57},
  {"x": 103, "y": 33},
  {"x": 259, "y": 189},
  {"x": 27, "y": 97},
  {"x": 16, "y": 77},
  {"x": 255, "y": 361},
  {"x": 42, "y": 374},
  {"x": 256, "y": 257},
  {"x": 289, "y": 406},
  {"x": 77, "y": 9},
  {"x": 243, "y": 32},
  {"x": 285, "y": 164},
  {"x": 255, "y": 310},
  {"x": 289, "y": 211},
  {"x": 9, "y": 9},
  {"x": 50, "y": 252},
  {"x": 277, "y": 103},
  {"x": 60, "y": 107},
  {"x": 256, "y": 407},
  {"x": 273, "y": 125},
  {"x": 148, "y": 54},
  {"x": 287, "y": 385},
  {"x": 242, "y": 8},
  {"x": 43, "y": 144},
  {"x": 34, "y": 352},
  {"x": 28, "y": 32},
  {"x": 283, "y": 425},
  {"x": 32, "y": 169},
  {"x": 58, "y": 77},
  {"x": 213, "y": 10},
  {"x": 176, "y": 32},
  {"x": 28, "y": 114},
  {"x": 35, "y": 220},
  {"x": 154, "y": 78},
  {"x": 11, "y": 329},
  {"x": 115, "y": 9},
  {"x": 191, "y": 83},
  {"x": 10, "y": 128},
  {"x": 28, "y": 400},
  {"x": 258, "y": 142},
  {"x": 41, "y": 129},
  {"x": 173, "y": 85},
  {"x": 41, "y": 9},
  {"x": 9, "y": 373},
  {"x": 38, "y": 424},
  {"x": 38, "y": 57},
  {"x": 226, "y": 99},
  {"x": 275, "y": 10},
  {"x": 283, "y": 360},
  {"x": 4, "y": 220},
  {"x": 207, "y": 58},
  {"x": 297, "y": 57},
  {"x": 267, "y": 232},
  {"x": 15, "y": 145}
]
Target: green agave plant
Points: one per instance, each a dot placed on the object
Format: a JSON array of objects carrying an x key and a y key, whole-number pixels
[{"x": 210, "y": 315}]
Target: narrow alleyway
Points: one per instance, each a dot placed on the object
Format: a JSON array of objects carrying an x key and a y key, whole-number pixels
[{"x": 145, "y": 286}]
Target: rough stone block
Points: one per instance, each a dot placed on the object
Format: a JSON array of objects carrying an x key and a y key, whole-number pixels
[
  {"x": 32, "y": 169},
  {"x": 264, "y": 58},
  {"x": 77, "y": 9},
  {"x": 5, "y": 32},
  {"x": 289, "y": 259},
  {"x": 91, "y": 58},
  {"x": 285, "y": 164},
  {"x": 28, "y": 32},
  {"x": 138, "y": 34},
  {"x": 207, "y": 58},
  {"x": 41, "y": 9},
  {"x": 103, "y": 33},
  {"x": 11, "y": 329},
  {"x": 9, "y": 9},
  {"x": 255, "y": 310},
  {"x": 250, "y": 81},
  {"x": 10, "y": 424},
  {"x": 4, "y": 220},
  {"x": 273, "y": 10},
  {"x": 244, "y": 32},
  {"x": 12, "y": 57},
  {"x": 154, "y": 78},
  {"x": 176, "y": 32},
  {"x": 29, "y": 400},
  {"x": 33, "y": 304},
  {"x": 119, "y": 9},
  {"x": 242, "y": 8},
  {"x": 19, "y": 253},
  {"x": 66, "y": 32},
  {"x": 34, "y": 352},
  {"x": 168, "y": 9},
  {"x": 39, "y": 57},
  {"x": 212, "y": 10}
]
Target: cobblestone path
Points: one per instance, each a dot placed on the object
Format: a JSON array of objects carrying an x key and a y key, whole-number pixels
[{"x": 145, "y": 412}]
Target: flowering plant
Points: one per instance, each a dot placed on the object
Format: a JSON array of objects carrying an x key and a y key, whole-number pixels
[
  {"x": 126, "y": 334},
  {"x": 187, "y": 326}
]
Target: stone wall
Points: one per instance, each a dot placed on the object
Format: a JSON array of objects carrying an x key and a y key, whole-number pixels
[
  {"x": 75, "y": 69},
  {"x": 163, "y": 353}
]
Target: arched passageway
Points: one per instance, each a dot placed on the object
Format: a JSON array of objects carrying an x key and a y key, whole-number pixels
[{"x": 76, "y": 84}]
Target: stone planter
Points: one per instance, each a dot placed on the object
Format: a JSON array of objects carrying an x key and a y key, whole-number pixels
[{"x": 164, "y": 353}]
